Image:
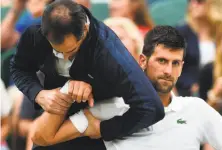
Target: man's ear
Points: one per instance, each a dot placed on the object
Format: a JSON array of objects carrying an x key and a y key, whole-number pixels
[
  {"x": 143, "y": 61},
  {"x": 86, "y": 27},
  {"x": 181, "y": 68}
]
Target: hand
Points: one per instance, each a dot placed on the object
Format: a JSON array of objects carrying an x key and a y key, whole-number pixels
[
  {"x": 53, "y": 101},
  {"x": 81, "y": 92},
  {"x": 36, "y": 7},
  {"x": 93, "y": 130}
]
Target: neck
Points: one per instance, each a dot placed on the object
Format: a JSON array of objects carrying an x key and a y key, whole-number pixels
[{"x": 165, "y": 98}]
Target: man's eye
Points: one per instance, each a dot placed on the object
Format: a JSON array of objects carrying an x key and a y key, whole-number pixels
[
  {"x": 162, "y": 61},
  {"x": 176, "y": 63}
]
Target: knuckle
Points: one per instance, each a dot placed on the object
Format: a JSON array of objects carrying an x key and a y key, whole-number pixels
[
  {"x": 90, "y": 88},
  {"x": 47, "y": 108},
  {"x": 51, "y": 103}
]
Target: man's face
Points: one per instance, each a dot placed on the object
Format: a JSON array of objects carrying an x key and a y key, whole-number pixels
[
  {"x": 69, "y": 47},
  {"x": 164, "y": 67}
]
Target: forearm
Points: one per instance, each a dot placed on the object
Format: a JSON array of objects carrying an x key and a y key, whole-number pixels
[
  {"x": 25, "y": 80},
  {"x": 50, "y": 129},
  {"x": 127, "y": 124},
  {"x": 145, "y": 110},
  {"x": 9, "y": 36},
  {"x": 24, "y": 126}
]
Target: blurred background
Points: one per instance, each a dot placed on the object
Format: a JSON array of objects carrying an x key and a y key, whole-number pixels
[{"x": 199, "y": 21}]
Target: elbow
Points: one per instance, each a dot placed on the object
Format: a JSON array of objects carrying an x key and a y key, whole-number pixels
[{"x": 38, "y": 139}]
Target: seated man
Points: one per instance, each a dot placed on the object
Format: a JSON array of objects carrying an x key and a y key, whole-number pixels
[{"x": 183, "y": 126}]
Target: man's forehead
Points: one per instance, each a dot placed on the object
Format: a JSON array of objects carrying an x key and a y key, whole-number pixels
[{"x": 168, "y": 53}]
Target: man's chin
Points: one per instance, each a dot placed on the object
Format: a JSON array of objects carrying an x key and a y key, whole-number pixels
[{"x": 165, "y": 90}]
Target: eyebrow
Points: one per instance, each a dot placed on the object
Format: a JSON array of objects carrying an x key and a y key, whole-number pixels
[{"x": 168, "y": 60}]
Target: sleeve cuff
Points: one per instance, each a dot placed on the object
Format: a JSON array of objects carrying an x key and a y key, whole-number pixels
[
  {"x": 33, "y": 92},
  {"x": 105, "y": 130},
  {"x": 80, "y": 121}
]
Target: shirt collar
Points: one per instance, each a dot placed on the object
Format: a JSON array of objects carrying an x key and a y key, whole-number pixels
[
  {"x": 57, "y": 54},
  {"x": 175, "y": 105}
]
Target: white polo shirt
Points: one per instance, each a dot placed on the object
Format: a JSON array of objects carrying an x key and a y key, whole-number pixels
[{"x": 188, "y": 122}]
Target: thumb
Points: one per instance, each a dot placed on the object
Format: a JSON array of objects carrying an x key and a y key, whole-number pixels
[
  {"x": 91, "y": 101},
  {"x": 87, "y": 113}
]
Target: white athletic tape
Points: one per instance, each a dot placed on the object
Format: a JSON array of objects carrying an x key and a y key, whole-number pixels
[{"x": 79, "y": 119}]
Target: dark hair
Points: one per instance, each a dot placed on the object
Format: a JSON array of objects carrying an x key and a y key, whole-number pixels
[
  {"x": 166, "y": 35},
  {"x": 63, "y": 17}
]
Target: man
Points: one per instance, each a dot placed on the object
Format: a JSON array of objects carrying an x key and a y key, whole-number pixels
[
  {"x": 183, "y": 127},
  {"x": 72, "y": 45}
]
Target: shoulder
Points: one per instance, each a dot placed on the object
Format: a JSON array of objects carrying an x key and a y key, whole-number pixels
[
  {"x": 33, "y": 29},
  {"x": 105, "y": 34},
  {"x": 34, "y": 35},
  {"x": 189, "y": 102},
  {"x": 197, "y": 104}
]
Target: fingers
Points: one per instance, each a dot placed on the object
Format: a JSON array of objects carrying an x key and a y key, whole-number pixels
[
  {"x": 81, "y": 91},
  {"x": 79, "y": 96},
  {"x": 86, "y": 94},
  {"x": 57, "y": 106},
  {"x": 52, "y": 108},
  {"x": 87, "y": 113},
  {"x": 71, "y": 87},
  {"x": 64, "y": 99},
  {"x": 75, "y": 90},
  {"x": 91, "y": 101},
  {"x": 57, "y": 111}
]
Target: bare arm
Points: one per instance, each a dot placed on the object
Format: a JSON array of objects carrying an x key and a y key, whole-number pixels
[
  {"x": 24, "y": 126},
  {"x": 9, "y": 35},
  {"x": 47, "y": 133}
]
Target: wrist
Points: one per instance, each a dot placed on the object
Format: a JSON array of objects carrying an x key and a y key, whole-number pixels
[
  {"x": 97, "y": 123},
  {"x": 80, "y": 121},
  {"x": 39, "y": 97}
]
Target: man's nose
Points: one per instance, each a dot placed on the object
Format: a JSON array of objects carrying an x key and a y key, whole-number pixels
[{"x": 168, "y": 69}]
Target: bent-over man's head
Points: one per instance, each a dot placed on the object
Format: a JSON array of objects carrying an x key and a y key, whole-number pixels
[{"x": 64, "y": 24}]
